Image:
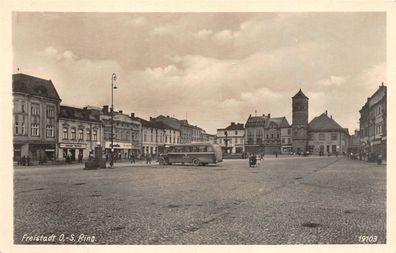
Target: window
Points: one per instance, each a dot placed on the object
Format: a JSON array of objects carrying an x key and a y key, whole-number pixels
[
  {"x": 95, "y": 135},
  {"x": 35, "y": 130},
  {"x": 35, "y": 109},
  {"x": 220, "y": 141},
  {"x": 88, "y": 135},
  {"x": 277, "y": 136},
  {"x": 80, "y": 134},
  {"x": 16, "y": 127},
  {"x": 321, "y": 137},
  {"x": 272, "y": 136},
  {"x": 334, "y": 136},
  {"x": 236, "y": 132},
  {"x": 333, "y": 148},
  {"x": 19, "y": 125},
  {"x": 73, "y": 133},
  {"x": 50, "y": 131},
  {"x": 311, "y": 137},
  {"x": 65, "y": 134},
  {"x": 289, "y": 131},
  {"x": 230, "y": 140},
  {"x": 283, "y": 141},
  {"x": 50, "y": 111}
]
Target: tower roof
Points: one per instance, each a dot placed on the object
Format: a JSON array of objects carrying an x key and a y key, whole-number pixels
[{"x": 300, "y": 94}]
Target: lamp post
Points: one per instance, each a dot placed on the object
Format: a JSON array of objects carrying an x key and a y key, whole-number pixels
[{"x": 113, "y": 87}]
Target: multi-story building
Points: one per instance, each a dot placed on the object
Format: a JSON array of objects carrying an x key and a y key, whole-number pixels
[
  {"x": 126, "y": 133},
  {"x": 286, "y": 138},
  {"x": 263, "y": 134},
  {"x": 153, "y": 136},
  {"x": 35, "y": 116},
  {"x": 326, "y": 136},
  {"x": 232, "y": 138},
  {"x": 354, "y": 143},
  {"x": 80, "y": 132},
  {"x": 373, "y": 123},
  {"x": 188, "y": 133},
  {"x": 209, "y": 138}
]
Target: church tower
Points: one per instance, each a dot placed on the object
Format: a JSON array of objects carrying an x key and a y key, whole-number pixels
[{"x": 300, "y": 122}]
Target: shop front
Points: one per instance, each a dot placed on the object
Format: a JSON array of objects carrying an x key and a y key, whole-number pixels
[
  {"x": 73, "y": 150},
  {"x": 42, "y": 152},
  {"x": 122, "y": 150}
]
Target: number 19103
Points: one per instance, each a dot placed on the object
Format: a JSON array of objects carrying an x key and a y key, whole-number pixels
[{"x": 368, "y": 238}]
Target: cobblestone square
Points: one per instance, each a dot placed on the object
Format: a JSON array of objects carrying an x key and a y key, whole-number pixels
[{"x": 284, "y": 200}]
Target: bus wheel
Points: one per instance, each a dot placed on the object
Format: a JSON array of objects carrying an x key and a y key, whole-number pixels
[
  {"x": 161, "y": 161},
  {"x": 196, "y": 162}
]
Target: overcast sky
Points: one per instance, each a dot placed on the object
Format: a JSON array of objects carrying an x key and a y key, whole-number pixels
[{"x": 213, "y": 68}]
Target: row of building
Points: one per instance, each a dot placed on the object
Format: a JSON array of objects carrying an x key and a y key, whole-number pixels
[
  {"x": 46, "y": 130},
  {"x": 269, "y": 135}
]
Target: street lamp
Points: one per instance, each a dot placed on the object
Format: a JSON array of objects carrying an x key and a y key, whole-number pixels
[{"x": 113, "y": 87}]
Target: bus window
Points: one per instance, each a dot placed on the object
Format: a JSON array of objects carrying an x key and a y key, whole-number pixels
[
  {"x": 202, "y": 148},
  {"x": 209, "y": 149},
  {"x": 178, "y": 149},
  {"x": 195, "y": 149}
]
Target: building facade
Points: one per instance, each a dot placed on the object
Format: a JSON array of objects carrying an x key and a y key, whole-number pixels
[
  {"x": 80, "y": 132},
  {"x": 326, "y": 136},
  {"x": 126, "y": 134},
  {"x": 232, "y": 138},
  {"x": 263, "y": 134},
  {"x": 373, "y": 124},
  {"x": 35, "y": 117}
]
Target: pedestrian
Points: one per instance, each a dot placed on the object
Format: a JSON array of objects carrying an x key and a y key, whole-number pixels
[
  {"x": 132, "y": 158},
  {"x": 149, "y": 158},
  {"x": 28, "y": 160},
  {"x": 276, "y": 154},
  {"x": 80, "y": 157},
  {"x": 23, "y": 161}
]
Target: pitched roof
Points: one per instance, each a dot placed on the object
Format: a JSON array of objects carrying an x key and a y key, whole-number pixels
[
  {"x": 256, "y": 121},
  {"x": 278, "y": 121},
  {"x": 300, "y": 94},
  {"x": 77, "y": 114},
  {"x": 34, "y": 86},
  {"x": 324, "y": 123},
  {"x": 233, "y": 126},
  {"x": 265, "y": 121}
]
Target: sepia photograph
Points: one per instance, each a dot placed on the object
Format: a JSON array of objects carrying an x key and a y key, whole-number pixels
[{"x": 199, "y": 128}]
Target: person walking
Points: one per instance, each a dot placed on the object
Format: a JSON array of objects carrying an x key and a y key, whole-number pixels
[
  {"x": 28, "y": 160},
  {"x": 132, "y": 158},
  {"x": 23, "y": 162}
]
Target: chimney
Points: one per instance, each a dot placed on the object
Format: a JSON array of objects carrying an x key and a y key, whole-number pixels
[
  {"x": 132, "y": 115},
  {"x": 232, "y": 123},
  {"x": 120, "y": 111},
  {"x": 269, "y": 115},
  {"x": 105, "y": 109},
  {"x": 331, "y": 116},
  {"x": 326, "y": 112}
]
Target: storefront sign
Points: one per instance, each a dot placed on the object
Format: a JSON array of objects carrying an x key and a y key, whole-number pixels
[
  {"x": 118, "y": 145},
  {"x": 73, "y": 145}
]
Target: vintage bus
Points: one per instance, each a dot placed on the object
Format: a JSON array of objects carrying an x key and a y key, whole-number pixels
[{"x": 194, "y": 153}]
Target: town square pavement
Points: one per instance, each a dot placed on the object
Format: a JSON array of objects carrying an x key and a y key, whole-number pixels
[{"x": 284, "y": 200}]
